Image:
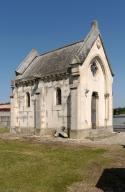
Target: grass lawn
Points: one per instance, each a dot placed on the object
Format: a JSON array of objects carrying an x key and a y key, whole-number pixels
[
  {"x": 33, "y": 167},
  {"x": 4, "y": 130}
]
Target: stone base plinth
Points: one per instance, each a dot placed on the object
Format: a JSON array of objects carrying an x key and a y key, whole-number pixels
[
  {"x": 22, "y": 130},
  {"x": 101, "y": 132}
]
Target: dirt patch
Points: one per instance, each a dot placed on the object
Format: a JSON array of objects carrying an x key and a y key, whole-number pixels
[{"x": 83, "y": 187}]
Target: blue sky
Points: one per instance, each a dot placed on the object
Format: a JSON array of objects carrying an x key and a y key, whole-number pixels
[{"x": 49, "y": 24}]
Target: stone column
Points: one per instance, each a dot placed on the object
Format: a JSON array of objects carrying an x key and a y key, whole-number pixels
[
  {"x": 74, "y": 111},
  {"x": 106, "y": 108},
  {"x": 74, "y": 82}
]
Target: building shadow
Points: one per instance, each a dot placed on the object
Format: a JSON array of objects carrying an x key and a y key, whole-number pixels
[{"x": 112, "y": 180}]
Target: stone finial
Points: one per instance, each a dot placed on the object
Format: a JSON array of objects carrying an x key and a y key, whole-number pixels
[{"x": 94, "y": 24}]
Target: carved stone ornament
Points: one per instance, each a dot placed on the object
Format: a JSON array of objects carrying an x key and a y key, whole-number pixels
[
  {"x": 98, "y": 44},
  {"x": 94, "y": 68}
]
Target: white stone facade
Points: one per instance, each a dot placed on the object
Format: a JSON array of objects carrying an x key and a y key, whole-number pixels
[
  {"x": 43, "y": 104},
  {"x": 101, "y": 83},
  {"x": 86, "y": 98}
]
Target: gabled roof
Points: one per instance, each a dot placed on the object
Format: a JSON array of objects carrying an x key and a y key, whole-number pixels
[
  {"x": 26, "y": 62},
  {"x": 57, "y": 61}
]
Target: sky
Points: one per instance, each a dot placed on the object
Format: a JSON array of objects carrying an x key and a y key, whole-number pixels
[{"x": 49, "y": 24}]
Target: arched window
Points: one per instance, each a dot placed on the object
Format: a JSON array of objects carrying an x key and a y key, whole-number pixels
[
  {"x": 58, "y": 96},
  {"x": 27, "y": 99}
]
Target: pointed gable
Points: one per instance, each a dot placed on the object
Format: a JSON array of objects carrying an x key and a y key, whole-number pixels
[
  {"x": 26, "y": 62},
  {"x": 59, "y": 60}
]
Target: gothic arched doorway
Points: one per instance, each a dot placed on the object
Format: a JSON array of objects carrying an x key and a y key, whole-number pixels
[{"x": 94, "y": 110}]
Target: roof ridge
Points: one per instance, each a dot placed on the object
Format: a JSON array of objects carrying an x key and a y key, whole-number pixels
[
  {"x": 56, "y": 49},
  {"x": 94, "y": 28}
]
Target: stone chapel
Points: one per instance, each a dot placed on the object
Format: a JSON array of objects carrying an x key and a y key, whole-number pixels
[{"x": 68, "y": 87}]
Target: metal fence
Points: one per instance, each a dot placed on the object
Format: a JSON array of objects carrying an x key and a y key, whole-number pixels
[
  {"x": 4, "y": 119},
  {"x": 119, "y": 123}
]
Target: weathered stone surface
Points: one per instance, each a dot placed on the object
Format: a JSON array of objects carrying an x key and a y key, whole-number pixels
[{"x": 86, "y": 95}]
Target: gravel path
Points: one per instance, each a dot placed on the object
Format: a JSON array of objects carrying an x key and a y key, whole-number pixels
[{"x": 116, "y": 138}]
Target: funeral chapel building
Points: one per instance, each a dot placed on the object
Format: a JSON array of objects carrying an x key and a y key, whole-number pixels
[{"x": 68, "y": 87}]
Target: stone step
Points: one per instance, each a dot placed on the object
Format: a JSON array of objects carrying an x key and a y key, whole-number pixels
[{"x": 101, "y": 136}]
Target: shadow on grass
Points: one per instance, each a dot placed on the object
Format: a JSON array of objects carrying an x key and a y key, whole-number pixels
[{"x": 112, "y": 180}]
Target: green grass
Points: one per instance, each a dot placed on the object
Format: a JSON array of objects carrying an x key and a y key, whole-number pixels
[
  {"x": 28, "y": 167},
  {"x": 4, "y": 130}
]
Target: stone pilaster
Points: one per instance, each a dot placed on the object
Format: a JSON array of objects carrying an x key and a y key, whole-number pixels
[
  {"x": 106, "y": 108},
  {"x": 74, "y": 83}
]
